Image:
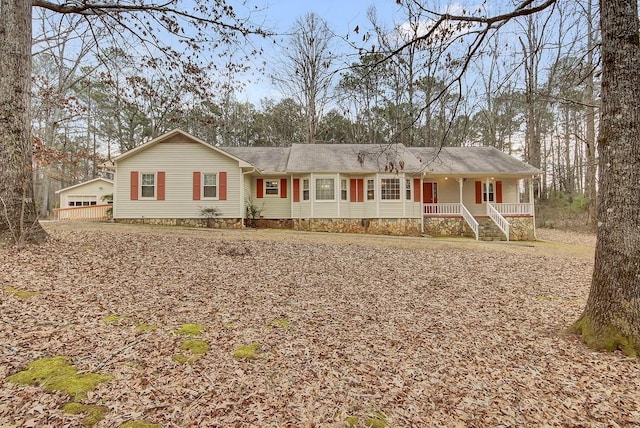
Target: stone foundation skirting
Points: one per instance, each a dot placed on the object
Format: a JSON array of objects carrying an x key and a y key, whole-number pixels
[
  {"x": 374, "y": 226},
  {"x": 214, "y": 223},
  {"x": 520, "y": 228},
  {"x": 447, "y": 226}
]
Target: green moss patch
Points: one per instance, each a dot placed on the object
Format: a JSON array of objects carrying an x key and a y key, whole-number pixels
[
  {"x": 181, "y": 359},
  {"x": 247, "y": 352},
  {"x": 93, "y": 414},
  {"x": 146, "y": 327},
  {"x": 609, "y": 338},
  {"x": 197, "y": 347},
  {"x": 376, "y": 420},
  {"x": 139, "y": 424},
  {"x": 191, "y": 329},
  {"x": 114, "y": 319},
  {"x": 352, "y": 421},
  {"x": 279, "y": 322},
  {"x": 56, "y": 374},
  {"x": 21, "y": 294}
]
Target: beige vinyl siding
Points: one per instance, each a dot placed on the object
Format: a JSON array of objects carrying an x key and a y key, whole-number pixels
[
  {"x": 96, "y": 189},
  {"x": 274, "y": 205},
  {"x": 448, "y": 190},
  {"x": 178, "y": 158}
]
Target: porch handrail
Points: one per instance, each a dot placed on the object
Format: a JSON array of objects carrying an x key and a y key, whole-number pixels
[
  {"x": 86, "y": 213},
  {"x": 497, "y": 218},
  {"x": 471, "y": 221},
  {"x": 513, "y": 208},
  {"x": 441, "y": 209}
]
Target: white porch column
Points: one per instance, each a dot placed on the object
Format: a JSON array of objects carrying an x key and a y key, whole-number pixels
[
  {"x": 486, "y": 192},
  {"x": 460, "y": 182},
  {"x": 419, "y": 189}
]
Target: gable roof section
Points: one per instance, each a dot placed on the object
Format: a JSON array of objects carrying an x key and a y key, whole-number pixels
[
  {"x": 350, "y": 158},
  {"x": 174, "y": 133},
  {"x": 470, "y": 160},
  {"x": 85, "y": 182},
  {"x": 266, "y": 159}
]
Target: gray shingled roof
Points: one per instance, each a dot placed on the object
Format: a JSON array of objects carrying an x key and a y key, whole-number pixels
[
  {"x": 350, "y": 158},
  {"x": 369, "y": 158},
  {"x": 266, "y": 159},
  {"x": 470, "y": 160}
]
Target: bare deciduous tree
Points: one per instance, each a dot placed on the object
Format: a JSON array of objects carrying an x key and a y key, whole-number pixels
[{"x": 306, "y": 72}]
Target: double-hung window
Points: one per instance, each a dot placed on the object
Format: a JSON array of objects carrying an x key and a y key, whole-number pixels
[
  {"x": 371, "y": 195},
  {"x": 305, "y": 189},
  {"x": 343, "y": 190},
  {"x": 148, "y": 185},
  {"x": 390, "y": 189},
  {"x": 407, "y": 189},
  {"x": 209, "y": 185},
  {"x": 271, "y": 187},
  {"x": 325, "y": 189},
  {"x": 484, "y": 192}
]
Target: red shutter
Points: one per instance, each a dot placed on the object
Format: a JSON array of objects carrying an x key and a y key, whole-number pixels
[
  {"x": 222, "y": 186},
  {"x": 196, "y": 185},
  {"x": 353, "y": 193},
  {"x": 134, "y": 186},
  {"x": 160, "y": 186},
  {"x": 283, "y": 188},
  {"x": 417, "y": 196},
  {"x": 259, "y": 188},
  {"x": 478, "y": 192},
  {"x": 360, "y": 189},
  {"x": 296, "y": 190},
  {"x": 498, "y": 192}
]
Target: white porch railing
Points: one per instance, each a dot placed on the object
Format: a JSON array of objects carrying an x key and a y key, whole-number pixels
[
  {"x": 86, "y": 213},
  {"x": 497, "y": 218},
  {"x": 470, "y": 220},
  {"x": 514, "y": 209},
  {"x": 441, "y": 209}
]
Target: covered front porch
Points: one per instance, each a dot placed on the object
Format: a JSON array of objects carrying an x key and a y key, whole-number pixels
[{"x": 485, "y": 208}]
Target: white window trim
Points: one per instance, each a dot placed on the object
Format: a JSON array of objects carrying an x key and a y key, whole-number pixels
[
  {"x": 401, "y": 189},
  {"x": 264, "y": 188},
  {"x": 410, "y": 189},
  {"x": 346, "y": 181},
  {"x": 315, "y": 188},
  {"x": 202, "y": 186},
  {"x": 308, "y": 189},
  {"x": 155, "y": 186},
  {"x": 366, "y": 190}
]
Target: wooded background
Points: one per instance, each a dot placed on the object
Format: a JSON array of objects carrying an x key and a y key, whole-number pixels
[{"x": 530, "y": 89}]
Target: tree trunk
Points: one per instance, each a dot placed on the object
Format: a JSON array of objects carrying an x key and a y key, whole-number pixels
[
  {"x": 611, "y": 319},
  {"x": 590, "y": 185},
  {"x": 18, "y": 217}
]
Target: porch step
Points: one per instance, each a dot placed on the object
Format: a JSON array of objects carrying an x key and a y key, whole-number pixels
[{"x": 489, "y": 231}]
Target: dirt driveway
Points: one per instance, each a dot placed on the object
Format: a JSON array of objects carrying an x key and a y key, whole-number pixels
[{"x": 346, "y": 330}]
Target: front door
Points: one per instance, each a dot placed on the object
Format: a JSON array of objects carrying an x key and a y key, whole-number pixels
[{"x": 430, "y": 192}]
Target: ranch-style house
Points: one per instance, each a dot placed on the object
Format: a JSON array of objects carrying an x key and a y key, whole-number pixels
[{"x": 178, "y": 179}]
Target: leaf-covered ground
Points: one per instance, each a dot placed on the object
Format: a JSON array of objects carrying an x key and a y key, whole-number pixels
[{"x": 408, "y": 331}]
